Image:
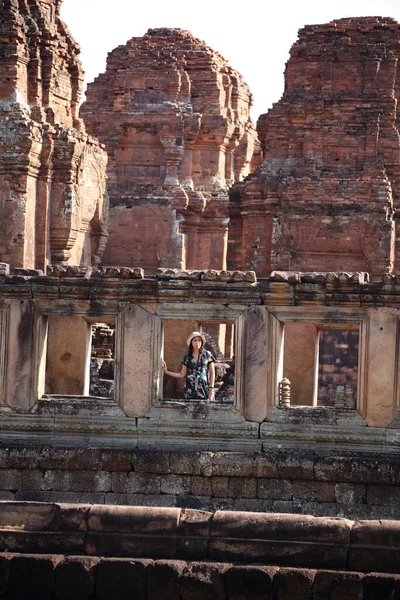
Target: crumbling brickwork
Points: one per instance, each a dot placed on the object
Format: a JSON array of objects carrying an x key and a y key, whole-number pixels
[
  {"x": 325, "y": 195},
  {"x": 52, "y": 173},
  {"x": 174, "y": 117}
]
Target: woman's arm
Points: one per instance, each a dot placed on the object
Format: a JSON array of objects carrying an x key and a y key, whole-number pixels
[
  {"x": 211, "y": 374},
  {"x": 181, "y": 375}
]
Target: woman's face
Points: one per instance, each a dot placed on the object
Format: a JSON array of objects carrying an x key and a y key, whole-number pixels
[{"x": 197, "y": 342}]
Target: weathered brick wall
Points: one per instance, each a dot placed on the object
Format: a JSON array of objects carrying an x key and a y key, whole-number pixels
[
  {"x": 357, "y": 488},
  {"x": 174, "y": 117},
  {"x": 53, "y": 205},
  {"x": 325, "y": 194}
]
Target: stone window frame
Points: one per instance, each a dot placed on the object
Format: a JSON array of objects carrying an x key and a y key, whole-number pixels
[
  {"x": 134, "y": 400},
  {"x": 207, "y": 313},
  {"x": 327, "y": 318},
  {"x": 4, "y": 356}
]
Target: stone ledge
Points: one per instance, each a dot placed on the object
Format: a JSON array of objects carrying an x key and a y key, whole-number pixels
[
  {"x": 98, "y": 578},
  {"x": 146, "y": 532}
]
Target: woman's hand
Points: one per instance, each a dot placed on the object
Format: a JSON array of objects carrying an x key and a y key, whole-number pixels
[
  {"x": 164, "y": 366},
  {"x": 211, "y": 394}
]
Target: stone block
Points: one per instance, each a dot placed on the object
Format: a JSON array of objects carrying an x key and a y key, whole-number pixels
[
  {"x": 357, "y": 512},
  {"x": 31, "y": 479},
  {"x": 287, "y": 506},
  {"x": 22, "y": 458},
  {"x": 150, "y": 461},
  {"x": 375, "y": 545},
  {"x": 71, "y": 517},
  {"x": 220, "y": 487},
  {"x": 291, "y": 540},
  {"x": 274, "y": 489},
  {"x": 77, "y": 481},
  {"x": 7, "y": 496},
  {"x": 75, "y": 578},
  {"x": 350, "y": 493},
  {"x": 295, "y": 467},
  {"x": 119, "y": 481},
  {"x": 163, "y": 500},
  {"x": 193, "y": 502},
  {"x": 31, "y": 577},
  {"x": 293, "y": 583},
  {"x": 322, "y": 509},
  {"x": 163, "y": 579},
  {"x": 379, "y": 587},
  {"x": 92, "y": 497},
  {"x": 134, "y": 500},
  {"x": 42, "y": 542},
  {"x": 353, "y": 470},
  {"x": 383, "y": 495},
  {"x": 4, "y": 458},
  {"x": 203, "y": 581},
  {"x": 338, "y": 586},
  {"x": 243, "y": 582},
  {"x": 71, "y": 459},
  {"x": 314, "y": 491},
  {"x": 395, "y": 471},
  {"x": 134, "y": 519},
  {"x": 220, "y": 504},
  {"x": 175, "y": 484},
  {"x": 232, "y": 464},
  {"x": 118, "y": 499},
  {"x": 194, "y": 523},
  {"x": 143, "y": 483},
  {"x": 252, "y": 505},
  {"x": 205, "y": 464},
  {"x": 121, "y": 579},
  {"x": 10, "y": 479},
  {"x": 71, "y": 497},
  {"x": 264, "y": 465},
  {"x": 116, "y": 459},
  {"x": 185, "y": 462},
  {"x": 201, "y": 486},
  {"x": 133, "y": 545},
  {"x": 32, "y": 516},
  {"x": 242, "y": 487}
]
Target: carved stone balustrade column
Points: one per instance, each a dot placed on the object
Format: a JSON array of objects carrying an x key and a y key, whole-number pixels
[{"x": 138, "y": 355}]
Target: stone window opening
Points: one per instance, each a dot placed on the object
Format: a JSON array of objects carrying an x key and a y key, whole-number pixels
[
  {"x": 321, "y": 362},
  {"x": 220, "y": 341},
  {"x": 80, "y": 353},
  {"x": 102, "y": 360}
]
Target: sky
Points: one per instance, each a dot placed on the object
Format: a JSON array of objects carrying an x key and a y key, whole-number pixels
[{"x": 255, "y": 36}]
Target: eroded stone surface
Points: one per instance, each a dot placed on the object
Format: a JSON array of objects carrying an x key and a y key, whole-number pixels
[
  {"x": 325, "y": 194},
  {"x": 174, "y": 117},
  {"x": 52, "y": 173}
]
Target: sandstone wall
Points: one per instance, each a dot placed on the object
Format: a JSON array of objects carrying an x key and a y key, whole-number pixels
[
  {"x": 174, "y": 117},
  {"x": 325, "y": 195},
  {"x": 364, "y": 487},
  {"x": 83, "y": 551},
  {"x": 52, "y": 173}
]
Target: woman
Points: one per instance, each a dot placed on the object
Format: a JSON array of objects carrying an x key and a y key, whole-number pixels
[{"x": 198, "y": 369}]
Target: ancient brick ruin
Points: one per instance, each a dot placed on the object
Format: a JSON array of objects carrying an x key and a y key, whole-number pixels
[
  {"x": 52, "y": 173},
  {"x": 308, "y": 316},
  {"x": 174, "y": 118},
  {"x": 325, "y": 195}
]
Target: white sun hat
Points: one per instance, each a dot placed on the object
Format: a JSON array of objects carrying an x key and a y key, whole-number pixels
[{"x": 196, "y": 334}]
